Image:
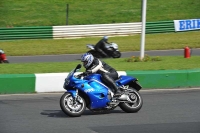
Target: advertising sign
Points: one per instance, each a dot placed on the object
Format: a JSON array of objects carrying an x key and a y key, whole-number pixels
[{"x": 189, "y": 24}]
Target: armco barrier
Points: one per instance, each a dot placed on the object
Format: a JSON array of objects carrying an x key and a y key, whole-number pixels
[
  {"x": 74, "y": 31},
  {"x": 53, "y": 82},
  {"x": 37, "y": 32},
  {"x": 117, "y": 29},
  {"x": 160, "y": 27}
]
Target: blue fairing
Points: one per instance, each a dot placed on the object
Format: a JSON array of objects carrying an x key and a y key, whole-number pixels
[
  {"x": 73, "y": 92},
  {"x": 93, "y": 76},
  {"x": 95, "y": 90},
  {"x": 93, "y": 87},
  {"x": 124, "y": 80}
]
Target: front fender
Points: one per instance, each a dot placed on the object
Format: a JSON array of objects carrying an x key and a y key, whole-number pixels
[{"x": 73, "y": 93}]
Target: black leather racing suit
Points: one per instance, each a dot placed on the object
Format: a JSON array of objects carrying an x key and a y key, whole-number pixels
[
  {"x": 101, "y": 47},
  {"x": 108, "y": 73}
]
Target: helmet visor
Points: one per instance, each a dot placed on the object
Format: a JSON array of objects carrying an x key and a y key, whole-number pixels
[{"x": 84, "y": 63}]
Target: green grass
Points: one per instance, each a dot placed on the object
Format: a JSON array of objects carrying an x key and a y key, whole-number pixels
[
  {"x": 166, "y": 63},
  {"x": 17, "y": 13},
  {"x": 126, "y": 43},
  {"x": 53, "y": 13}
]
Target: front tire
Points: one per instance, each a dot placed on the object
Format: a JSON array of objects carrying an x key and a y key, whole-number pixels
[
  {"x": 136, "y": 104},
  {"x": 116, "y": 54},
  {"x": 70, "y": 107}
]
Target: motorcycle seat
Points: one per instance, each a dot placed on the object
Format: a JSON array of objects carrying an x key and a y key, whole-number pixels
[{"x": 118, "y": 79}]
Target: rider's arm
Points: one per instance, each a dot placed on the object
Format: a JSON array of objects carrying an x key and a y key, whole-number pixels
[{"x": 96, "y": 66}]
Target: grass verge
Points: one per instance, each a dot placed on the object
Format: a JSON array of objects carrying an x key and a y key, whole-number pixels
[
  {"x": 166, "y": 63},
  {"x": 161, "y": 41}
]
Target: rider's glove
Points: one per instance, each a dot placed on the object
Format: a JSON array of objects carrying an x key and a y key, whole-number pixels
[
  {"x": 79, "y": 76},
  {"x": 87, "y": 72}
]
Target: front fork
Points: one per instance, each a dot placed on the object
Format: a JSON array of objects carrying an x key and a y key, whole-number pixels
[{"x": 75, "y": 96}]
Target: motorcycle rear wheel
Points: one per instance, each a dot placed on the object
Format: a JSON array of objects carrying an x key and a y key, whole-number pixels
[
  {"x": 71, "y": 108},
  {"x": 134, "y": 107}
]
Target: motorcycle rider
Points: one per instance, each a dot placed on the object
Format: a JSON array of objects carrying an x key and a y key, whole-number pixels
[
  {"x": 101, "y": 46},
  {"x": 108, "y": 74},
  {"x": 3, "y": 57}
]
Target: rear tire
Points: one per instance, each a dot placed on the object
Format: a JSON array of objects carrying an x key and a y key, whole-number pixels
[
  {"x": 134, "y": 107},
  {"x": 69, "y": 107}
]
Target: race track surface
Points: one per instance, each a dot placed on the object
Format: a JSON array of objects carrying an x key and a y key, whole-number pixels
[
  {"x": 74, "y": 57},
  {"x": 163, "y": 111}
]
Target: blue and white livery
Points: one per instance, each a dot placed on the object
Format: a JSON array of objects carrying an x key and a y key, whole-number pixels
[{"x": 89, "y": 91}]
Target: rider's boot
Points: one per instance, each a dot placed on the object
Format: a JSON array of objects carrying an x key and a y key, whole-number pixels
[
  {"x": 118, "y": 93},
  {"x": 110, "y": 82}
]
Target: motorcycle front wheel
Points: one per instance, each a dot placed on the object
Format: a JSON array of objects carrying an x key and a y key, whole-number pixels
[
  {"x": 72, "y": 107},
  {"x": 116, "y": 54},
  {"x": 135, "y": 105}
]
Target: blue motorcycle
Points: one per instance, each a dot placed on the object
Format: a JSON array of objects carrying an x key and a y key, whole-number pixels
[{"x": 89, "y": 91}]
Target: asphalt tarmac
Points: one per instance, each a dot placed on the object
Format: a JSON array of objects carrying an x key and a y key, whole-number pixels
[
  {"x": 73, "y": 57},
  {"x": 163, "y": 111}
]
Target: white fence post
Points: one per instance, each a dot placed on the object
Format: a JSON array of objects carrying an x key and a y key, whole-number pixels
[{"x": 142, "y": 47}]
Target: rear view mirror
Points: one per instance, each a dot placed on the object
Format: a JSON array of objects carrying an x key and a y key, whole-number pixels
[{"x": 78, "y": 66}]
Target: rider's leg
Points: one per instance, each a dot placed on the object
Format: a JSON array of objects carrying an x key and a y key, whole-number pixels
[
  {"x": 108, "y": 80},
  {"x": 102, "y": 52}
]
